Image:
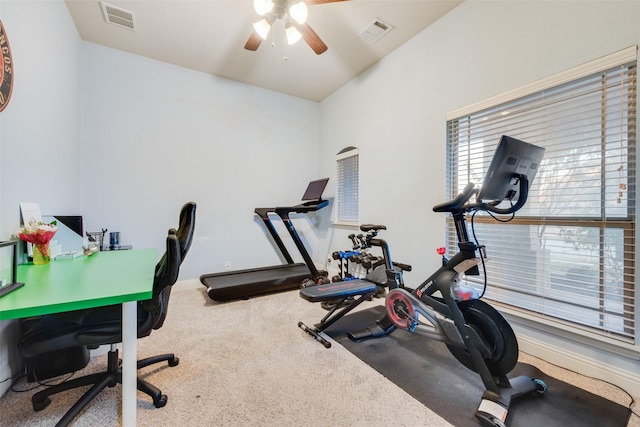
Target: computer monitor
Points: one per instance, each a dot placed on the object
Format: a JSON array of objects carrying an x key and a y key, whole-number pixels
[
  {"x": 70, "y": 232},
  {"x": 315, "y": 189},
  {"x": 512, "y": 157}
]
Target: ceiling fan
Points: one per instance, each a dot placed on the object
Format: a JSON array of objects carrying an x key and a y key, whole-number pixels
[{"x": 294, "y": 13}]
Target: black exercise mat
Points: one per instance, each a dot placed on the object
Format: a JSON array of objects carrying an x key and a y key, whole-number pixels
[{"x": 427, "y": 371}]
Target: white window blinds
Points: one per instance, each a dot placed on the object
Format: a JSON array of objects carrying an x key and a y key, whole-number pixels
[
  {"x": 347, "y": 186},
  {"x": 569, "y": 255}
]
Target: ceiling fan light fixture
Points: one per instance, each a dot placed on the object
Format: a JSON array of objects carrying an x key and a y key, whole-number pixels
[
  {"x": 293, "y": 35},
  {"x": 299, "y": 12},
  {"x": 262, "y": 27},
  {"x": 262, "y": 7}
]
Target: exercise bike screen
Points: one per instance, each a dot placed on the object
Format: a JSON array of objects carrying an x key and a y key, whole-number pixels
[{"x": 511, "y": 157}]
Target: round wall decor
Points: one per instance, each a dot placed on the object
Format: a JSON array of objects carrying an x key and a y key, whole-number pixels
[{"x": 6, "y": 71}]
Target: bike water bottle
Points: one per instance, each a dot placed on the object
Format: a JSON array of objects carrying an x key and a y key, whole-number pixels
[{"x": 461, "y": 291}]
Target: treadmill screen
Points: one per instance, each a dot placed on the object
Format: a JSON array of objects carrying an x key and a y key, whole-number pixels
[{"x": 315, "y": 189}]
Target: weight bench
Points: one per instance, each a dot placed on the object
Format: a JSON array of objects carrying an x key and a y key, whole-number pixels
[{"x": 340, "y": 292}]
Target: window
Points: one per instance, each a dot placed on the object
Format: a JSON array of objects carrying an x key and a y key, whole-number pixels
[
  {"x": 569, "y": 254},
  {"x": 347, "y": 186}
]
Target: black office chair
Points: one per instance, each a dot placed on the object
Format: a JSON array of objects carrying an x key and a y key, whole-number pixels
[{"x": 102, "y": 325}]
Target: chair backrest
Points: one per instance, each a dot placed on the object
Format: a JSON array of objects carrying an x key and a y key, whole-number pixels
[
  {"x": 168, "y": 267},
  {"x": 167, "y": 270},
  {"x": 186, "y": 227}
]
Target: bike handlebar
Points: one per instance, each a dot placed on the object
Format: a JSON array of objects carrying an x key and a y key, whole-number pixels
[
  {"x": 522, "y": 199},
  {"x": 460, "y": 203}
]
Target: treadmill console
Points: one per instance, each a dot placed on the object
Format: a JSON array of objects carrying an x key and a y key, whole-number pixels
[{"x": 310, "y": 206}]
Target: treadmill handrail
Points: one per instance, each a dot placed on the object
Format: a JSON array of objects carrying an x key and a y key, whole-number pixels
[
  {"x": 283, "y": 212},
  {"x": 301, "y": 208}
]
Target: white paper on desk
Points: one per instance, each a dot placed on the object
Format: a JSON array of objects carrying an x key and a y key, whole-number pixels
[{"x": 30, "y": 212}]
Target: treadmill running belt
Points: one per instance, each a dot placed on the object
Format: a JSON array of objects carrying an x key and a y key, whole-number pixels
[{"x": 255, "y": 281}]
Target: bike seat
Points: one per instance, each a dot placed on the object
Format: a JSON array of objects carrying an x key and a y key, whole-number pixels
[{"x": 372, "y": 227}]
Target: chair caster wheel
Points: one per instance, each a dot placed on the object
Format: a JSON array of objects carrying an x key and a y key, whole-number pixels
[
  {"x": 41, "y": 404},
  {"x": 174, "y": 361},
  {"x": 161, "y": 402}
]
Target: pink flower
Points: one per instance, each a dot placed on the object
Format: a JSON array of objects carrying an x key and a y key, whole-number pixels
[{"x": 38, "y": 232}]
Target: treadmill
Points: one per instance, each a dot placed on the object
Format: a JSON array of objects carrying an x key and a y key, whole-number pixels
[{"x": 239, "y": 284}]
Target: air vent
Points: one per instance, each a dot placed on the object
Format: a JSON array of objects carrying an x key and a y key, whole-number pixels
[
  {"x": 117, "y": 16},
  {"x": 376, "y": 30}
]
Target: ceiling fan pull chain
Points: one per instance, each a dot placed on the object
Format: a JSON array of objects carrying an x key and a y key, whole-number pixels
[
  {"x": 285, "y": 57},
  {"x": 273, "y": 39}
]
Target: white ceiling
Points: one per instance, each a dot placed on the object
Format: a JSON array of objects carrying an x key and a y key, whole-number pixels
[{"x": 209, "y": 36}]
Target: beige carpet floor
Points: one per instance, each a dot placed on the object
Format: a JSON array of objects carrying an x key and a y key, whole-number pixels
[{"x": 246, "y": 363}]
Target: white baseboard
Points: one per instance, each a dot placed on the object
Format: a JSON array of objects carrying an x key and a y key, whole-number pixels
[{"x": 627, "y": 380}]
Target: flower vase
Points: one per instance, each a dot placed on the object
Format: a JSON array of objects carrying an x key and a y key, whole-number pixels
[{"x": 41, "y": 254}]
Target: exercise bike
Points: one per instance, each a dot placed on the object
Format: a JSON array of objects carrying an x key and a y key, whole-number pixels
[{"x": 474, "y": 332}]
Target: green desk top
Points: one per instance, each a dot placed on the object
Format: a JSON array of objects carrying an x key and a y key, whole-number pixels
[{"x": 104, "y": 278}]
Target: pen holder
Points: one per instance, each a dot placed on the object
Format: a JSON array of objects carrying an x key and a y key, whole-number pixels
[
  {"x": 114, "y": 240},
  {"x": 97, "y": 237}
]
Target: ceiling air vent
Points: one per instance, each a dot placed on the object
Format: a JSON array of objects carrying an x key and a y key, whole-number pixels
[
  {"x": 117, "y": 16},
  {"x": 376, "y": 30}
]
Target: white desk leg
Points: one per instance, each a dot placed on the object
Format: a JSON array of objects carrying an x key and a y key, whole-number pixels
[{"x": 129, "y": 362}]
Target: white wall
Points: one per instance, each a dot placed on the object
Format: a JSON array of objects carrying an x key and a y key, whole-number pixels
[
  {"x": 39, "y": 133},
  {"x": 40, "y": 147},
  {"x": 395, "y": 113},
  {"x": 155, "y": 135}
]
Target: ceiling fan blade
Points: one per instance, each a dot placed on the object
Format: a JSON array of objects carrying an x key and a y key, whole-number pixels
[
  {"x": 254, "y": 42},
  {"x": 254, "y": 39},
  {"x": 312, "y": 2},
  {"x": 313, "y": 40}
]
